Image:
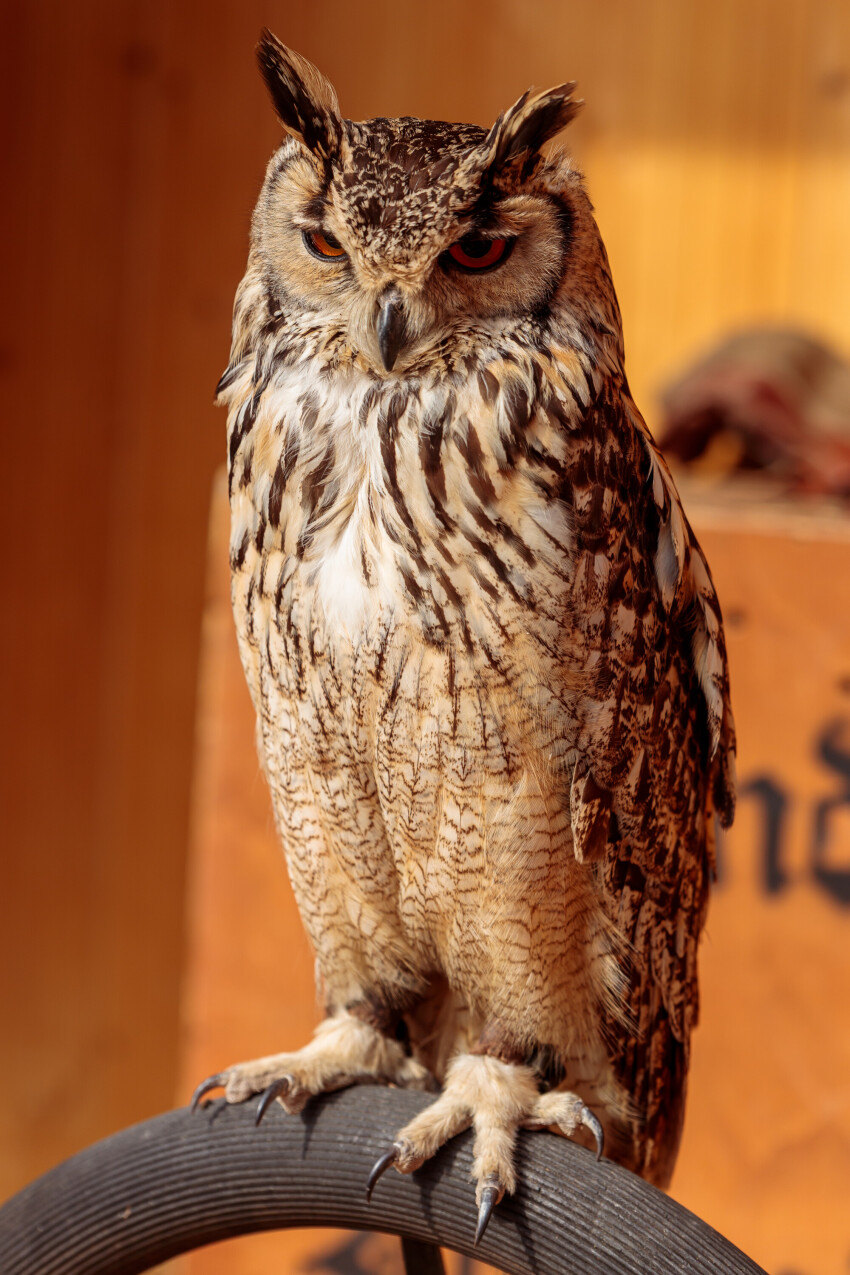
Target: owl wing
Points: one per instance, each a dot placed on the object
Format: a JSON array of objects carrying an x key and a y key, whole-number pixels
[{"x": 657, "y": 762}]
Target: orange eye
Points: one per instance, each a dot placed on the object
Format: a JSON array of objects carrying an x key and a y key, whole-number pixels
[
  {"x": 323, "y": 245},
  {"x": 474, "y": 253}
]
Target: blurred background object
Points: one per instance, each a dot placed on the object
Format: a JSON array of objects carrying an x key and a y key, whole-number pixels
[
  {"x": 769, "y": 400},
  {"x": 716, "y": 142}
]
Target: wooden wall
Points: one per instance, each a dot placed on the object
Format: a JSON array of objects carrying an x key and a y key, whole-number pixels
[{"x": 716, "y": 141}]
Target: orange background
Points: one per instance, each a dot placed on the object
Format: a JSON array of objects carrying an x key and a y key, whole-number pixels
[{"x": 716, "y": 141}]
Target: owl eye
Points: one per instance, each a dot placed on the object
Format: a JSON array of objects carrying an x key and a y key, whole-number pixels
[
  {"x": 323, "y": 245},
  {"x": 476, "y": 253}
]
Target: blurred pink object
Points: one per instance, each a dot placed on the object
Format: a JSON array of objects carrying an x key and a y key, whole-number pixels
[{"x": 769, "y": 399}]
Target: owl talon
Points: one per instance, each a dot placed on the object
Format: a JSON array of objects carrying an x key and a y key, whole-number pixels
[
  {"x": 277, "y": 1087},
  {"x": 211, "y": 1082},
  {"x": 491, "y": 1193},
  {"x": 591, "y": 1122},
  {"x": 379, "y": 1168}
]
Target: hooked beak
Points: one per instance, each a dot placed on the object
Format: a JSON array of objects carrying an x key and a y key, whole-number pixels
[{"x": 391, "y": 328}]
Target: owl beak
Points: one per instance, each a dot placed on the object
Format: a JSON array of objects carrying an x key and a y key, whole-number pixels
[{"x": 391, "y": 328}]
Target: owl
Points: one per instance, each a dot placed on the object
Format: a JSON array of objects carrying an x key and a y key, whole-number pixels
[{"x": 483, "y": 645}]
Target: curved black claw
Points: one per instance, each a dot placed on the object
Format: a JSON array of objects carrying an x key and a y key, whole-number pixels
[
  {"x": 278, "y": 1086},
  {"x": 379, "y": 1168},
  {"x": 211, "y": 1082},
  {"x": 590, "y": 1121},
  {"x": 490, "y": 1196}
]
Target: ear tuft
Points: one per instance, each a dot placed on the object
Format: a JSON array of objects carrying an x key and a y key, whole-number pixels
[
  {"x": 514, "y": 141},
  {"x": 518, "y": 135},
  {"x": 305, "y": 102}
]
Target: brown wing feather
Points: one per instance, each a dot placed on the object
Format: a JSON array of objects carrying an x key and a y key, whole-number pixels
[{"x": 661, "y": 747}]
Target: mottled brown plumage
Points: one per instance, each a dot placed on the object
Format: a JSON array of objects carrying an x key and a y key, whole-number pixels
[{"x": 482, "y": 642}]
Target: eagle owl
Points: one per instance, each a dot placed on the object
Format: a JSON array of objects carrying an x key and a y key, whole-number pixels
[{"x": 482, "y": 642}]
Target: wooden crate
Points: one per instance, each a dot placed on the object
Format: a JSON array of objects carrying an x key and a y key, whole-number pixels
[{"x": 766, "y": 1152}]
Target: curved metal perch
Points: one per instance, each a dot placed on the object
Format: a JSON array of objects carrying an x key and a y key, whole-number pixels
[{"x": 181, "y": 1180}]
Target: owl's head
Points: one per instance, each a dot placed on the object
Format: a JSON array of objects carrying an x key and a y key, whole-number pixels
[{"x": 396, "y": 239}]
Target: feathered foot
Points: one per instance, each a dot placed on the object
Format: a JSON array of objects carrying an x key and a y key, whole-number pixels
[
  {"x": 343, "y": 1051},
  {"x": 496, "y": 1099}
]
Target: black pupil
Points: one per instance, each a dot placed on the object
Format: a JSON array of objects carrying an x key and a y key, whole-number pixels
[
  {"x": 330, "y": 241},
  {"x": 474, "y": 247}
]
